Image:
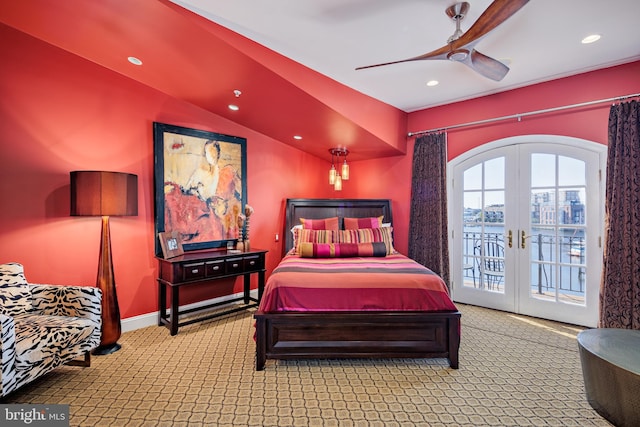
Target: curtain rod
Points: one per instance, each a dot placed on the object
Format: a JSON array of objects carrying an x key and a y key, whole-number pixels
[{"x": 521, "y": 115}]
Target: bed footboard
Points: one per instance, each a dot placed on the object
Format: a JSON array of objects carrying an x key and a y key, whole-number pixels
[{"x": 325, "y": 335}]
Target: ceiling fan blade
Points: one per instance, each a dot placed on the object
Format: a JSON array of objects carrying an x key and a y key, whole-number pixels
[
  {"x": 497, "y": 12},
  {"x": 386, "y": 63},
  {"x": 440, "y": 53},
  {"x": 436, "y": 54},
  {"x": 488, "y": 67}
]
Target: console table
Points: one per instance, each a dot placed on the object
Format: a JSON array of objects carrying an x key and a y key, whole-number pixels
[{"x": 202, "y": 267}]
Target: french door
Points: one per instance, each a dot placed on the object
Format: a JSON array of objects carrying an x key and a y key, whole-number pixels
[{"x": 526, "y": 227}]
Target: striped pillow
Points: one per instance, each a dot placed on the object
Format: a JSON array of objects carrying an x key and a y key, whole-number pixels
[
  {"x": 369, "y": 235},
  {"x": 320, "y": 224},
  {"x": 302, "y": 235},
  {"x": 355, "y": 223},
  {"x": 342, "y": 250}
]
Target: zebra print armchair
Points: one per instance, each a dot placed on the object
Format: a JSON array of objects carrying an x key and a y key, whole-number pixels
[{"x": 44, "y": 326}]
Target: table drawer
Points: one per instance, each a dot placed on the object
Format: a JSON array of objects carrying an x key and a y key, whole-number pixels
[
  {"x": 193, "y": 271},
  {"x": 214, "y": 268},
  {"x": 234, "y": 265},
  {"x": 253, "y": 263}
]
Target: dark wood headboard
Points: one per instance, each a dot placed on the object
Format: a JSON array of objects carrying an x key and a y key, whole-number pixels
[{"x": 327, "y": 208}]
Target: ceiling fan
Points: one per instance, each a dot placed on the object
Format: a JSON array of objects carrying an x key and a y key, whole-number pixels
[{"x": 461, "y": 46}]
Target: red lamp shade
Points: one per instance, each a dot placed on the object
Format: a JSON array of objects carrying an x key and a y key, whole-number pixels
[{"x": 99, "y": 193}]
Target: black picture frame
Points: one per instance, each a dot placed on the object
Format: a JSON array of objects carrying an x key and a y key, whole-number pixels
[{"x": 200, "y": 185}]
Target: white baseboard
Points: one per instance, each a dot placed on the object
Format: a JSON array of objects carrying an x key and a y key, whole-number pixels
[{"x": 151, "y": 319}]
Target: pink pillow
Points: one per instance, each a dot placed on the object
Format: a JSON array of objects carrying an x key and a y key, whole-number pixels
[
  {"x": 342, "y": 250},
  {"x": 320, "y": 224},
  {"x": 355, "y": 223}
]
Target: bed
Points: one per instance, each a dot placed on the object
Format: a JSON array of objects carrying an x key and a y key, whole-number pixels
[{"x": 286, "y": 332}]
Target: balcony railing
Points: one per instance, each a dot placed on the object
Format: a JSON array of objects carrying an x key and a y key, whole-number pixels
[{"x": 556, "y": 261}]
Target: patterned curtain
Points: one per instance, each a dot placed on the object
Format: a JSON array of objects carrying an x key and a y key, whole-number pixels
[
  {"x": 620, "y": 287},
  {"x": 428, "y": 243}
]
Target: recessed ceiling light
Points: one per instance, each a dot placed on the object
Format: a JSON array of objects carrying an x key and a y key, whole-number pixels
[
  {"x": 591, "y": 38},
  {"x": 298, "y": 137},
  {"x": 432, "y": 83},
  {"x": 134, "y": 60},
  {"x": 233, "y": 107}
]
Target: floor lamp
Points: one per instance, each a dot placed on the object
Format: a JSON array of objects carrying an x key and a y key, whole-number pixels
[{"x": 98, "y": 193}]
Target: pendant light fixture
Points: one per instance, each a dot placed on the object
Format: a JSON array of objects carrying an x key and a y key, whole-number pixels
[
  {"x": 336, "y": 178},
  {"x": 345, "y": 169},
  {"x": 332, "y": 172}
]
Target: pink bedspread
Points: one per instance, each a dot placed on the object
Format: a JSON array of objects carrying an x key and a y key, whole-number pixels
[{"x": 392, "y": 283}]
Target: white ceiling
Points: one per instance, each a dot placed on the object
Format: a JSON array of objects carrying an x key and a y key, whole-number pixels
[{"x": 540, "y": 42}]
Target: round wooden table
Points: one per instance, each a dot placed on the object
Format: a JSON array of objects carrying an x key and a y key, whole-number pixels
[{"x": 611, "y": 368}]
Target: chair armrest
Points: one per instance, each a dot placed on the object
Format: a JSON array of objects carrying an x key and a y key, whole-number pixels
[
  {"x": 77, "y": 301},
  {"x": 7, "y": 352}
]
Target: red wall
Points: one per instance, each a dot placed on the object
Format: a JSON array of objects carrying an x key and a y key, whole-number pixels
[{"x": 60, "y": 113}]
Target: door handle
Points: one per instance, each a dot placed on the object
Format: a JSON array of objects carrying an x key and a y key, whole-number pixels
[
  {"x": 510, "y": 238},
  {"x": 522, "y": 239}
]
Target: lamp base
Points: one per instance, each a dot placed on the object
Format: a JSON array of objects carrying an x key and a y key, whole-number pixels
[
  {"x": 111, "y": 328},
  {"x": 103, "y": 350}
]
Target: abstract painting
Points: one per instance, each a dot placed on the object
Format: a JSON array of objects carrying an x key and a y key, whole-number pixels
[{"x": 200, "y": 185}]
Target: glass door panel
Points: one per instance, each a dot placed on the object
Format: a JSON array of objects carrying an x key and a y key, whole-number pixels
[
  {"x": 483, "y": 271},
  {"x": 483, "y": 234},
  {"x": 555, "y": 237}
]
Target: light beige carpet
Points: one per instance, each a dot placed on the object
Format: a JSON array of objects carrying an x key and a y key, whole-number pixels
[{"x": 514, "y": 371}]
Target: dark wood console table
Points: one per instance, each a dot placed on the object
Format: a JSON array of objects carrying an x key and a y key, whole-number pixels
[{"x": 201, "y": 267}]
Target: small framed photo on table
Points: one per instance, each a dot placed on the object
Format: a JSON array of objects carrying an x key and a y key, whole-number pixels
[{"x": 171, "y": 244}]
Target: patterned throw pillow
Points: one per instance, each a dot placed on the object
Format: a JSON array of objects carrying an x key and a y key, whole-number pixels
[
  {"x": 342, "y": 250},
  {"x": 369, "y": 235},
  {"x": 320, "y": 224},
  {"x": 355, "y": 223},
  {"x": 302, "y": 235},
  {"x": 15, "y": 295}
]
